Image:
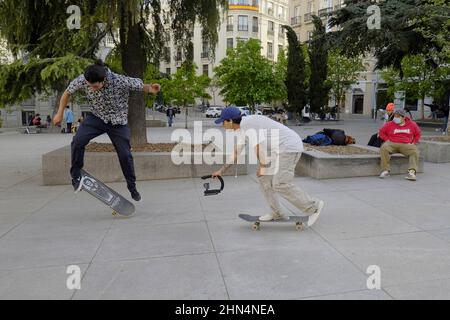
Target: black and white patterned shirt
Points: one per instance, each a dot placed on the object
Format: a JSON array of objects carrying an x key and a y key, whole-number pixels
[{"x": 111, "y": 102}]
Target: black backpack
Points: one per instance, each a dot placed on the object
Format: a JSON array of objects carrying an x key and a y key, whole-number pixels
[{"x": 337, "y": 135}]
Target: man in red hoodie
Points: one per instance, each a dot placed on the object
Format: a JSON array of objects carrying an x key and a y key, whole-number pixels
[{"x": 401, "y": 136}]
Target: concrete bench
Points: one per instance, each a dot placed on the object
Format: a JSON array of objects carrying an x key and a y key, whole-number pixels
[
  {"x": 435, "y": 151},
  {"x": 321, "y": 165},
  {"x": 106, "y": 167},
  {"x": 430, "y": 123},
  {"x": 29, "y": 130},
  {"x": 156, "y": 123}
]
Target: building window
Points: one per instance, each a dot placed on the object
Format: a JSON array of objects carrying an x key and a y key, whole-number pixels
[
  {"x": 205, "y": 50},
  {"x": 270, "y": 10},
  {"x": 168, "y": 71},
  {"x": 243, "y": 23},
  {"x": 167, "y": 54},
  {"x": 255, "y": 24},
  {"x": 241, "y": 39},
  {"x": 179, "y": 56},
  {"x": 281, "y": 13},
  {"x": 280, "y": 48},
  {"x": 281, "y": 32},
  {"x": 271, "y": 28},
  {"x": 230, "y": 43},
  {"x": 206, "y": 70},
  {"x": 230, "y": 23},
  {"x": 269, "y": 50}
]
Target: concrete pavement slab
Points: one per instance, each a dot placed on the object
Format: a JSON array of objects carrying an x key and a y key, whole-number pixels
[
  {"x": 148, "y": 241},
  {"x": 30, "y": 246},
  {"x": 345, "y": 217},
  {"x": 425, "y": 290},
  {"x": 237, "y": 235},
  {"x": 355, "y": 295},
  {"x": 189, "y": 277},
  {"x": 36, "y": 284},
  {"x": 289, "y": 273},
  {"x": 402, "y": 258}
]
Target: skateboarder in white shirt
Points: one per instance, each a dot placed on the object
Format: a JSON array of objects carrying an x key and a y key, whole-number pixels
[{"x": 286, "y": 153}]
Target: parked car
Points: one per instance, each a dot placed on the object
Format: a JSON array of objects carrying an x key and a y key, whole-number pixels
[
  {"x": 213, "y": 112},
  {"x": 245, "y": 111}
]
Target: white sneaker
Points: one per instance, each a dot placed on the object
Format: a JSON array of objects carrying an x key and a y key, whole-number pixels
[
  {"x": 411, "y": 175},
  {"x": 313, "y": 218},
  {"x": 384, "y": 174},
  {"x": 271, "y": 217}
]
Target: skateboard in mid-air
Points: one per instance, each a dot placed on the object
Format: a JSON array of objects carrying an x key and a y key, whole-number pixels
[
  {"x": 299, "y": 221},
  {"x": 120, "y": 206}
]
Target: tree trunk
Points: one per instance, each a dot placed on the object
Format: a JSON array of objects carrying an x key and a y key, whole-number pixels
[
  {"x": 134, "y": 64},
  {"x": 422, "y": 107},
  {"x": 186, "y": 113}
]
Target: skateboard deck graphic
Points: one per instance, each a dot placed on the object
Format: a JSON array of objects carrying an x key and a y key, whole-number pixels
[
  {"x": 299, "y": 221},
  {"x": 105, "y": 194}
]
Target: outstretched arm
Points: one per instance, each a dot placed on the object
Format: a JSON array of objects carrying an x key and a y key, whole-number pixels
[
  {"x": 152, "y": 88},
  {"x": 62, "y": 106}
]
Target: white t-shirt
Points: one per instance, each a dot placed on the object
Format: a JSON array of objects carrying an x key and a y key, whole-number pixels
[{"x": 270, "y": 134}]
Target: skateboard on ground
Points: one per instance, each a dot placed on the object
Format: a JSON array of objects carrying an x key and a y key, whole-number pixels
[
  {"x": 299, "y": 221},
  {"x": 120, "y": 206}
]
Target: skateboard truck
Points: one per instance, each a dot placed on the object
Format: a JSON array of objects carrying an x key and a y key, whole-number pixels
[{"x": 212, "y": 192}]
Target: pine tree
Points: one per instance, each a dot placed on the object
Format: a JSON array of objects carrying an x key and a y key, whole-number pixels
[
  {"x": 39, "y": 28},
  {"x": 295, "y": 79},
  {"x": 318, "y": 55}
]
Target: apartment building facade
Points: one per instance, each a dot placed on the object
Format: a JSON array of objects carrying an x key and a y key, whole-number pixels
[
  {"x": 245, "y": 19},
  {"x": 362, "y": 97}
]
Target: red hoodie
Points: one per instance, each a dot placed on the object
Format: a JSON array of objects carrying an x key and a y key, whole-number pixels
[{"x": 408, "y": 133}]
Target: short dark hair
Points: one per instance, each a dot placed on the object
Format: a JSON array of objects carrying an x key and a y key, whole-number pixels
[{"x": 95, "y": 72}]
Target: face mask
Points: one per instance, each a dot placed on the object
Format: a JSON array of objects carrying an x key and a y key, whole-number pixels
[{"x": 397, "y": 120}]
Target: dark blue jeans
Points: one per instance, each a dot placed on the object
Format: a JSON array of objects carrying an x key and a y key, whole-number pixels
[{"x": 92, "y": 127}]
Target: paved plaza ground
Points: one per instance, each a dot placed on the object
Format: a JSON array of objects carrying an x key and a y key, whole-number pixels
[{"x": 182, "y": 245}]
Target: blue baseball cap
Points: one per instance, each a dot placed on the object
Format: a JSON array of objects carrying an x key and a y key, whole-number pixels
[{"x": 229, "y": 113}]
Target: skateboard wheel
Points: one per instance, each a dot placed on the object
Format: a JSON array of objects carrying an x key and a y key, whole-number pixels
[
  {"x": 255, "y": 226},
  {"x": 115, "y": 214},
  {"x": 299, "y": 226}
]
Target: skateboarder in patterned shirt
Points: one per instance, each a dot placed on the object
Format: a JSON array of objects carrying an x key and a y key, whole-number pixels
[{"x": 108, "y": 95}]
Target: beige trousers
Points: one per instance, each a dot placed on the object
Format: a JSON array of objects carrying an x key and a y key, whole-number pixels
[
  {"x": 280, "y": 182},
  {"x": 408, "y": 149}
]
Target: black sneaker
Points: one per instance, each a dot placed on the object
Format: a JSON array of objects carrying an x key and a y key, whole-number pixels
[
  {"x": 76, "y": 183},
  {"x": 135, "y": 195}
]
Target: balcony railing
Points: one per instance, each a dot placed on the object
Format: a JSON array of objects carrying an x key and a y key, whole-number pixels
[
  {"x": 308, "y": 16},
  {"x": 243, "y": 28},
  {"x": 29, "y": 102},
  {"x": 205, "y": 55},
  {"x": 324, "y": 12},
  {"x": 296, "y": 20},
  {"x": 230, "y": 27}
]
